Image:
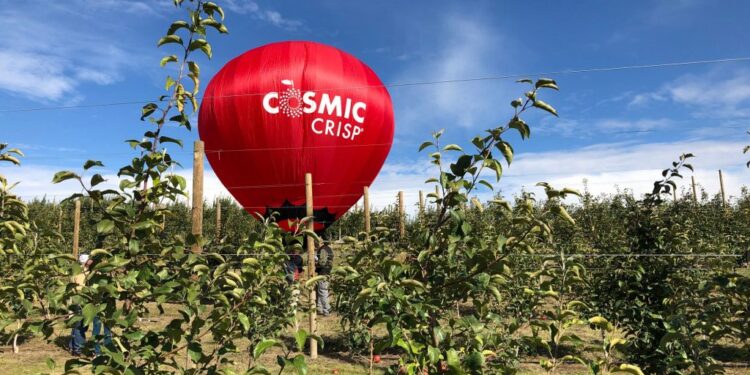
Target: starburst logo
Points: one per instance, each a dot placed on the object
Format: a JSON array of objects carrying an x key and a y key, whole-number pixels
[{"x": 290, "y": 101}]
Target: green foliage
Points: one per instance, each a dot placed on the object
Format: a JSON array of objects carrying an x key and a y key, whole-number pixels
[
  {"x": 138, "y": 265},
  {"x": 29, "y": 265},
  {"x": 455, "y": 295},
  {"x": 413, "y": 288}
]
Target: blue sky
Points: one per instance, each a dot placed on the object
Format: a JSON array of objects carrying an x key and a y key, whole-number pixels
[{"x": 615, "y": 128}]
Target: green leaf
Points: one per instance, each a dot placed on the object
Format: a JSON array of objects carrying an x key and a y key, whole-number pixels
[
  {"x": 195, "y": 351},
  {"x": 461, "y": 165},
  {"x": 96, "y": 179},
  {"x": 433, "y": 354},
  {"x": 547, "y": 83},
  {"x": 506, "y": 149},
  {"x": 563, "y": 213},
  {"x": 495, "y": 166},
  {"x": 601, "y": 323},
  {"x": 314, "y": 280},
  {"x": 169, "y": 83},
  {"x": 176, "y": 25},
  {"x": 244, "y": 321},
  {"x": 630, "y": 369},
  {"x": 165, "y": 139},
  {"x": 63, "y": 176},
  {"x": 542, "y": 105},
  {"x": 50, "y": 363},
  {"x": 147, "y": 110},
  {"x": 495, "y": 293},
  {"x": 167, "y": 59},
  {"x": 105, "y": 226},
  {"x": 194, "y": 68},
  {"x": 264, "y": 345},
  {"x": 300, "y": 365},
  {"x": 487, "y": 184},
  {"x": 425, "y": 145},
  {"x": 521, "y": 126},
  {"x": 89, "y": 312},
  {"x": 207, "y": 50},
  {"x": 300, "y": 337},
  {"x": 169, "y": 39},
  {"x": 452, "y": 147},
  {"x": 525, "y": 80},
  {"x": 215, "y": 24},
  {"x": 474, "y": 361},
  {"x": 92, "y": 163},
  {"x": 210, "y": 8}
]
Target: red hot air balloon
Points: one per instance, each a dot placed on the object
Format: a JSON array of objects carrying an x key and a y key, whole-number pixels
[{"x": 285, "y": 109}]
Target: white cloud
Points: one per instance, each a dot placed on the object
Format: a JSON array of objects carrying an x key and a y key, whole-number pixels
[
  {"x": 731, "y": 89},
  {"x": 646, "y": 99},
  {"x": 586, "y": 128},
  {"x": 41, "y": 63},
  {"x": 605, "y": 167},
  {"x": 461, "y": 48},
  {"x": 34, "y": 75},
  {"x": 723, "y": 93},
  {"x": 647, "y": 124},
  {"x": 271, "y": 16},
  {"x": 151, "y": 8}
]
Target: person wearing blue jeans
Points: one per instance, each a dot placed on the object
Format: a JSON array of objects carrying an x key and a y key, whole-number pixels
[
  {"x": 78, "y": 336},
  {"x": 78, "y": 333}
]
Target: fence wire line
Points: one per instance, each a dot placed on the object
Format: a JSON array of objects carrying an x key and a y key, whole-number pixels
[
  {"x": 551, "y": 255},
  {"x": 416, "y": 83},
  {"x": 220, "y": 151}
]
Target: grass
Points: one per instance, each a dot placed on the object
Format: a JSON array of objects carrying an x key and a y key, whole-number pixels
[{"x": 333, "y": 358}]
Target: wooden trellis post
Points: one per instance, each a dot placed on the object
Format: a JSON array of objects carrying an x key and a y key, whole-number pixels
[
  {"x": 721, "y": 183},
  {"x": 695, "y": 192},
  {"x": 366, "y": 208},
  {"x": 217, "y": 235},
  {"x": 311, "y": 262},
  {"x": 197, "y": 207},
  {"x": 76, "y": 227},
  {"x": 59, "y": 219},
  {"x": 421, "y": 204},
  {"x": 401, "y": 214},
  {"x": 437, "y": 195}
]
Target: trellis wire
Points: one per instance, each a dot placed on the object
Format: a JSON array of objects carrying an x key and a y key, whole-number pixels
[{"x": 418, "y": 83}]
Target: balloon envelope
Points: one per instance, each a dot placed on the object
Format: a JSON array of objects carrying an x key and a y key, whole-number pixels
[{"x": 285, "y": 109}]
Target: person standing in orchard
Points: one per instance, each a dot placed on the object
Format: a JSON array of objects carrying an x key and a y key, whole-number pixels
[
  {"x": 323, "y": 266},
  {"x": 293, "y": 267},
  {"x": 78, "y": 332}
]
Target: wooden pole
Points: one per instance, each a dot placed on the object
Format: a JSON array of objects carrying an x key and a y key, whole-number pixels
[
  {"x": 695, "y": 192},
  {"x": 76, "y": 227},
  {"x": 366, "y": 207},
  {"x": 674, "y": 194},
  {"x": 197, "y": 208},
  {"x": 401, "y": 214},
  {"x": 218, "y": 219},
  {"x": 311, "y": 262},
  {"x": 721, "y": 183},
  {"x": 437, "y": 194},
  {"x": 421, "y": 204}
]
